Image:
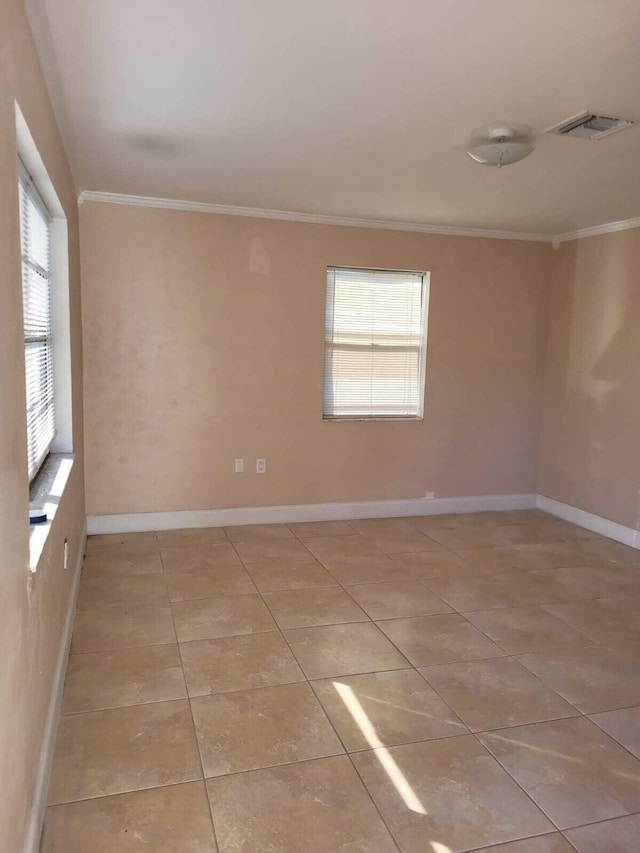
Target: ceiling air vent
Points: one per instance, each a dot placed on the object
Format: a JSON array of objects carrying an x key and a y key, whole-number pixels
[{"x": 590, "y": 126}]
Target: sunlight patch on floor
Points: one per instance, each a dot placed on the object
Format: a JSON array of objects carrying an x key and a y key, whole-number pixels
[{"x": 383, "y": 755}]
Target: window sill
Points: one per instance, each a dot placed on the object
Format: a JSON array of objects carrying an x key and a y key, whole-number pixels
[
  {"x": 45, "y": 493},
  {"x": 356, "y": 419}
]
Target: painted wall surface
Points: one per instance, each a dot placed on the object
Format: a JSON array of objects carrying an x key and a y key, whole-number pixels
[
  {"x": 590, "y": 446},
  {"x": 204, "y": 340},
  {"x": 32, "y": 609}
]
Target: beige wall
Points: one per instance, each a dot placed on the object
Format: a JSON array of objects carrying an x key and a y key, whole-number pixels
[
  {"x": 590, "y": 447},
  {"x": 32, "y": 610},
  {"x": 204, "y": 338},
  {"x": 204, "y": 341}
]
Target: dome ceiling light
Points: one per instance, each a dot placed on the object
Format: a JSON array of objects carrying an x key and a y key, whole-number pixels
[{"x": 501, "y": 146}]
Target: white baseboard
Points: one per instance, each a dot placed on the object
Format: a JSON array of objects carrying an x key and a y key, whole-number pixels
[
  {"x": 145, "y": 521},
  {"x": 611, "y": 529},
  {"x": 39, "y": 803}
]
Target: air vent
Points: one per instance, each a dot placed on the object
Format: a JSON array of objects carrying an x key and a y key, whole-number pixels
[{"x": 590, "y": 126}]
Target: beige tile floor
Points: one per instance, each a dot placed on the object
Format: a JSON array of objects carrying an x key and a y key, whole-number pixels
[{"x": 441, "y": 684}]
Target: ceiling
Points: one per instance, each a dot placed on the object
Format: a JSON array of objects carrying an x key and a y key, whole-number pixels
[{"x": 352, "y": 108}]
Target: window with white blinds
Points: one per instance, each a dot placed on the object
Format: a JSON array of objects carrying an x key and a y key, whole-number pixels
[
  {"x": 375, "y": 343},
  {"x": 35, "y": 239}
]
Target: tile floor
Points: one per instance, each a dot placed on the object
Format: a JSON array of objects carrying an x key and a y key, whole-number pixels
[{"x": 441, "y": 684}]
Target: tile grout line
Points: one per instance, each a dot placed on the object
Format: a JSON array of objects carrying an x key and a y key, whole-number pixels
[
  {"x": 506, "y": 844},
  {"x": 345, "y": 589},
  {"x": 473, "y": 734},
  {"x": 411, "y": 666},
  {"x": 511, "y": 776},
  {"x": 369, "y": 619},
  {"x": 124, "y": 793},
  {"x": 327, "y": 718},
  {"x": 193, "y": 723},
  {"x": 417, "y": 667},
  {"x": 579, "y": 714}
]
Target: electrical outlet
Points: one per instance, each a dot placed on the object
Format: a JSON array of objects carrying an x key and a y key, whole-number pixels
[
  {"x": 261, "y": 466},
  {"x": 238, "y": 466},
  {"x": 430, "y": 496}
]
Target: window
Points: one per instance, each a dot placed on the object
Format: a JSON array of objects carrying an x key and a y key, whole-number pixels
[
  {"x": 35, "y": 240},
  {"x": 375, "y": 344}
]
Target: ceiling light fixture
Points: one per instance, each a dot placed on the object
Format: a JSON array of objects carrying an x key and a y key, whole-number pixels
[{"x": 501, "y": 147}]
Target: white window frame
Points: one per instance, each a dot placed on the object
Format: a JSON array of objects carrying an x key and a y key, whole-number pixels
[
  {"x": 32, "y": 271},
  {"x": 59, "y": 269},
  {"x": 419, "y": 416}
]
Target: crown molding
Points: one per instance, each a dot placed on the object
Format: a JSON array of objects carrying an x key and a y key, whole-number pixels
[
  {"x": 313, "y": 218},
  {"x": 596, "y": 230},
  {"x": 344, "y": 221}
]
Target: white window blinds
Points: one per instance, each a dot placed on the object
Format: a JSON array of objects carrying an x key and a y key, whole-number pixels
[
  {"x": 35, "y": 238},
  {"x": 374, "y": 343}
]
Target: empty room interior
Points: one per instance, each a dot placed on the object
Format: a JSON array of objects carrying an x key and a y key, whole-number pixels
[{"x": 320, "y": 426}]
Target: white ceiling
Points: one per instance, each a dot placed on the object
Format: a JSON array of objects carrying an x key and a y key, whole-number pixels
[{"x": 353, "y": 108}]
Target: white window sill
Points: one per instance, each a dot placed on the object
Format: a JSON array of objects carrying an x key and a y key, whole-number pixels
[
  {"x": 45, "y": 493},
  {"x": 350, "y": 419}
]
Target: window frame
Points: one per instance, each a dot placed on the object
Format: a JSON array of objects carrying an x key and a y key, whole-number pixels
[
  {"x": 27, "y": 185},
  {"x": 48, "y": 486},
  {"x": 422, "y": 364}
]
